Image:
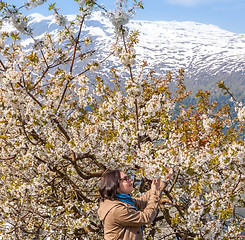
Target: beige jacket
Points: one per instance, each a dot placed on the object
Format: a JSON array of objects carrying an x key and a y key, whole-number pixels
[{"x": 122, "y": 221}]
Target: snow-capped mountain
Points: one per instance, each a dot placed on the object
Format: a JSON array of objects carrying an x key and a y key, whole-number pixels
[{"x": 206, "y": 52}]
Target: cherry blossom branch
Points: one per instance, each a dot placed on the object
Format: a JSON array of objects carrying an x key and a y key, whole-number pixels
[
  {"x": 43, "y": 75},
  {"x": 44, "y": 58},
  {"x": 76, "y": 44},
  {"x": 24, "y": 130},
  {"x": 168, "y": 218},
  {"x": 72, "y": 62},
  {"x": 83, "y": 156},
  {"x": 8, "y": 158},
  {"x": 53, "y": 65},
  {"x": 66, "y": 178},
  {"x": 61, "y": 128},
  {"x": 126, "y": 50},
  {"x": 99, "y": 6},
  {"x": 167, "y": 193},
  {"x": 237, "y": 184},
  {"x": 86, "y": 176},
  {"x": 3, "y": 65},
  {"x": 86, "y": 70},
  {"x": 174, "y": 182},
  {"x": 222, "y": 86},
  {"x": 75, "y": 187},
  {"x": 101, "y": 166},
  {"x": 135, "y": 102}
]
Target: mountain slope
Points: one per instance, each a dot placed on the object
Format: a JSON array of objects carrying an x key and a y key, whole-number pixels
[{"x": 206, "y": 53}]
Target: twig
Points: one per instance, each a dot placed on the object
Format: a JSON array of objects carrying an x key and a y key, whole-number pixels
[
  {"x": 174, "y": 182},
  {"x": 23, "y": 127},
  {"x": 3, "y": 65},
  {"x": 76, "y": 43},
  {"x": 8, "y": 158},
  {"x": 43, "y": 75},
  {"x": 61, "y": 129}
]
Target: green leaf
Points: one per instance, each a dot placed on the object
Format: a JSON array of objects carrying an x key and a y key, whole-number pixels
[{"x": 51, "y": 6}]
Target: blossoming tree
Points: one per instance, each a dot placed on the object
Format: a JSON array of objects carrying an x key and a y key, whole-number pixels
[{"x": 60, "y": 130}]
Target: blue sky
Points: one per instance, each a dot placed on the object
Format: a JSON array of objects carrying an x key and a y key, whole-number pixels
[{"x": 227, "y": 14}]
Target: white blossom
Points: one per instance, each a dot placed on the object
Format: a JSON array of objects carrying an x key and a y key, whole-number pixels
[
  {"x": 241, "y": 114},
  {"x": 133, "y": 88},
  {"x": 87, "y": 41},
  {"x": 38, "y": 45},
  {"x": 119, "y": 17},
  {"x": 207, "y": 122},
  {"x": 20, "y": 23},
  {"x": 2, "y": 43},
  {"x": 58, "y": 125},
  {"x": 60, "y": 19},
  {"x": 34, "y": 3},
  {"x": 94, "y": 66}
]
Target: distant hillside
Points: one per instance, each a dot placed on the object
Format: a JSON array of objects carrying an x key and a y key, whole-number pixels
[{"x": 207, "y": 53}]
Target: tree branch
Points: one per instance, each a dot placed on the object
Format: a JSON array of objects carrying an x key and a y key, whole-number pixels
[
  {"x": 72, "y": 62},
  {"x": 167, "y": 193},
  {"x": 24, "y": 130},
  {"x": 43, "y": 75},
  {"x": 76, "y": 43},
  {"x": 65, "y": 177},
  {"x": 3, "y": 65},
  {"x": 88, "y": 175},
  {"x": 61, "y": 128},
  {"x": 8, "y": 158},
  {"x": 174, "y": 182}
]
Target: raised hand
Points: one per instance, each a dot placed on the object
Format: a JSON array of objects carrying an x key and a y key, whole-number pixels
[{"x": 155, "y": 185}]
